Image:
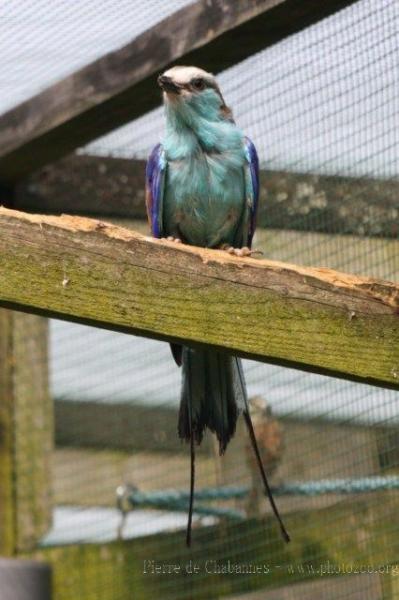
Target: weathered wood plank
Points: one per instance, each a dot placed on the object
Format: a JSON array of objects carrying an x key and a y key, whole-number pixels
[
  {"x": 120, "y": 426},
  {"x": 34, "y": 429},
  {"x": 121, "y": 85},
  {"x": 26, "y": 432},
  {"x": 148, "y": 471},
  {"x": 96, "y": 185},
  {"x": 7, "y": 500},
  {"x": 312, "y": 319},
  {"x": 370, "y": 257}
]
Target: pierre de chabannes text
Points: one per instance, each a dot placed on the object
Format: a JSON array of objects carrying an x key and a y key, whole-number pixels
[{"x": 213, "y": 567}]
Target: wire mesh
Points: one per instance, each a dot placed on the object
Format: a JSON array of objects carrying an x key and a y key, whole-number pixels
[
  {"x": 321, "y": 107},
  {"x": 42, "y": 42}
]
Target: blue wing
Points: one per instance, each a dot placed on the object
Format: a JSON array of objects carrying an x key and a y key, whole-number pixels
[
  {"x": 154, "y": 189},
  {"x": 251, "y": 187}
]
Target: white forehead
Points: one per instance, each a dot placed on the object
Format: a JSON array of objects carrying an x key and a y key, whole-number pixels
[{"x": 184, "y": 75}]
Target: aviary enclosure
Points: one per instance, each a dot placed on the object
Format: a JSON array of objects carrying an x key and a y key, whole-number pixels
[{"x": 93, "y": 477}]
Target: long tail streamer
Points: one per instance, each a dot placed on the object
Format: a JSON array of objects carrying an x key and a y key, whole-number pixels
[
  {"x": 268, "y": 491},
  {"x": 192, "y": 484}
]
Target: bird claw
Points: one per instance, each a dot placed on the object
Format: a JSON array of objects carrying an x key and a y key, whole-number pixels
[
  {"x": 245, "y": 251},
  {"x": 172, "y": 239}
]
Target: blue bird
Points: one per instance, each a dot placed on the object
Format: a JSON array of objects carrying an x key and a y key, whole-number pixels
[{"x": 202, "y": 186}]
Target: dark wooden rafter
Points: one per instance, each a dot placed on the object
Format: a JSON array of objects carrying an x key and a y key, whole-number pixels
[
  {"x": 121, "y": 85},
  {"x": 114, "y": 187}
]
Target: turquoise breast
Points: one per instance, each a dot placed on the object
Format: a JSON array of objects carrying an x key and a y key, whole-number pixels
[{"x": 204, "y": 198}]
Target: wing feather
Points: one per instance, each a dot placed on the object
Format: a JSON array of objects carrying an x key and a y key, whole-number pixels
[
  {"x": 252, "y": 186},
  {"x": 154, "y": 192},
  {"x": 154, "y": 189}
]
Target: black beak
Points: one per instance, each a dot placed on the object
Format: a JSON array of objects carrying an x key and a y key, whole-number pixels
[{"x": 168, "y": 85}]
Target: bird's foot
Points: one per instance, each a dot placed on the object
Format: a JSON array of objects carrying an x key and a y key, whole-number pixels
[
  {"x": 172, "y": 239},
  {"x": 245, "y": 251}
]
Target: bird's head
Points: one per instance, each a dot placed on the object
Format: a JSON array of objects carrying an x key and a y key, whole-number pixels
[{"x": 192, "y": 92}]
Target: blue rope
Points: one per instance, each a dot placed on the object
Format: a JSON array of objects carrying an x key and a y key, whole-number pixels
[
  {"x": 173, "y": 496},
  {"x": 338, "y": 486},
  {"x": 178, "y": 500}
]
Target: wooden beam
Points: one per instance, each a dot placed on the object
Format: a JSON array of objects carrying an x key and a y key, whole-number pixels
[
  {"x": 151, "y": 466},
  {"x": 7, "y": 498},
  {"x": 26, "y": 432},
  {"x": 90, "y": 272},
  {"x": 109, "y": 468},
  {"x": 33, "y": 430},
  {"x": 120, "y": 426},
  {"x": 97, "y": 185},
  {"x": 85, "y": 185},
  {"x": 121, "y": 85}
]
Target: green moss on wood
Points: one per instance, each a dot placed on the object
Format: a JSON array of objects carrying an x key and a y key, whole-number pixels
[
  {"x": 7, "y": 501},
  {"x": 351, "y": 533},
  {"x": 312, "y": 319},
  {"x": 34, "y": 429},
  {"x": 26, "y": 432}
]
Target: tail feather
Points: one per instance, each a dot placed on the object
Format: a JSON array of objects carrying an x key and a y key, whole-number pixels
[
  {"x": 193, "y": 402},
  {"x": 254, "y": 443},
  {"x": 222, "y": 407},
  {"x": 209, "y": 398},
  {"x": 192, "y": 485},
  {"x": 211, "y": 393}
]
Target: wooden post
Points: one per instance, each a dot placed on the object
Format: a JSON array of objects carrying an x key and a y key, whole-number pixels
[
  {"x": 7, "y": 501},
  {"x": 33, "y": 417},
  {"x": 26, "y": 425}
]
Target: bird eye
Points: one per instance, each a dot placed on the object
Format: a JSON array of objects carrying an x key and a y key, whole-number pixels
[{"x": 198, "y": 84}]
